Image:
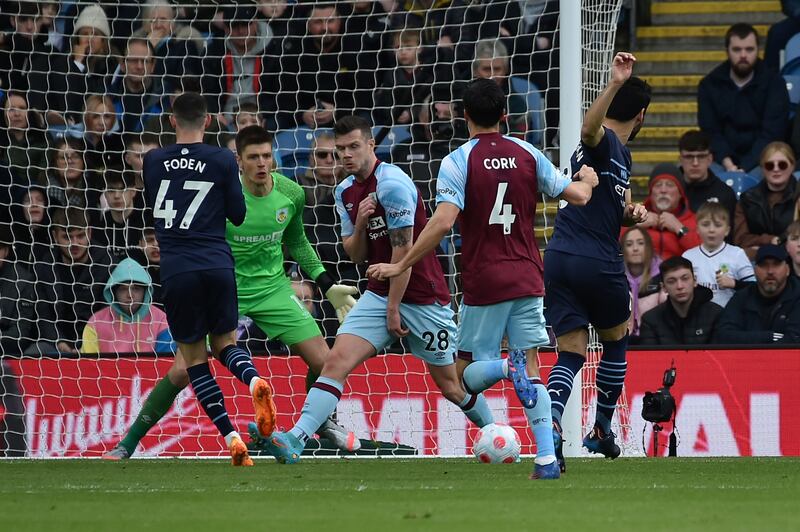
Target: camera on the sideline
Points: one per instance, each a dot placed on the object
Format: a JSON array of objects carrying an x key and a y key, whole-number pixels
[{"x": 659, "y": 406}]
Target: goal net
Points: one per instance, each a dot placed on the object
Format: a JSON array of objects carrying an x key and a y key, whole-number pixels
[{"x": 86, "y": 90}]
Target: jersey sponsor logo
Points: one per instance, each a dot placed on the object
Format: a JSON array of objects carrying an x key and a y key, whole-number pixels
[
  {"x": 500, "y": 163},
  {"x": 281, "y": 215},
  {"x": 376, "y": 223},
  {"x": 254, "y": 239},
  {"x": 185, "y": 164},
  {"x": 399, "y": 213},
  {"x": 446, "y": 191}
]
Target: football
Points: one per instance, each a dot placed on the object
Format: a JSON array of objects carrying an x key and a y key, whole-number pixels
[{"x": 497, "y": 444}]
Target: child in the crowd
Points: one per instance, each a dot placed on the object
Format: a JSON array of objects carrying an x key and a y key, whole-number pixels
[
  {"x": 130, "y": 323},
  {"x": 722, "y": 267}
]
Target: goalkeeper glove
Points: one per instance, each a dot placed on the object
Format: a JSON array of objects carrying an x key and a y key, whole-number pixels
[{"x": 341, "y": 297}]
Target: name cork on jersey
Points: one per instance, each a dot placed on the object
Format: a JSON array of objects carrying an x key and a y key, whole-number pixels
[
  {"x": 192, "y": 190},
  {"x": 399, "y": 205},
  {"x": 593, "y": 230},
  {"x": 496, "y": 181}
]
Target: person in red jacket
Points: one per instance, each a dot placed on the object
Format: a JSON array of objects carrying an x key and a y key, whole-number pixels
[{"x": 670, "y": 222}]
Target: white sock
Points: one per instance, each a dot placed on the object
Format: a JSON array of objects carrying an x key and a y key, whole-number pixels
[
  {"x": 253, "y": 382},
  {"x": 505, "y": 367},
  {"x": 229, "y": 438},
  {"x": 544, "y": 460}
]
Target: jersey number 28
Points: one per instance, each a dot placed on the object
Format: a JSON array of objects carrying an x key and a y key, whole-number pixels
[{"x": 164, "y": 210}]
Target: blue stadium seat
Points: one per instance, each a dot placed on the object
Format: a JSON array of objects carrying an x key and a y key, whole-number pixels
[
  {"x": 397, "y": 135},
  {"x": 525, "y": 88},
  {"x": 793, "y": 88},
  {"x": 738, "y": 181},
  {"x": 792, "y": 49}
]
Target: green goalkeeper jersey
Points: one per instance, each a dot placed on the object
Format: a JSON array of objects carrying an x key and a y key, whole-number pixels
[{"x": 257, "y": 245}]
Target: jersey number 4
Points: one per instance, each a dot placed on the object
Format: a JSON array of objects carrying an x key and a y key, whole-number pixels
[
  {"x": 501, "y": 212},
  {"x": 164, "y": 210}
]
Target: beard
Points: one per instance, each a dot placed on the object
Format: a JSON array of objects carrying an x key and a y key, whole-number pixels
[
  {"x": 634, "y": 132},
  {"x": 743, "y": 69}
]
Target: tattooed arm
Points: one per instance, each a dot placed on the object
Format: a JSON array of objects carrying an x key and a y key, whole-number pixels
[{"x": 401, "y": 240}]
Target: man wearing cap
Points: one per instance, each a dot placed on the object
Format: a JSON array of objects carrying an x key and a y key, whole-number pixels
[
  {"x": 670, "y": 222},
  {"x": 768, "y": 311}
]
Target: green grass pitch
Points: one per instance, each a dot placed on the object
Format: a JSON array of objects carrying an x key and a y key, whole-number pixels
[{"x": 386, "y": 494}]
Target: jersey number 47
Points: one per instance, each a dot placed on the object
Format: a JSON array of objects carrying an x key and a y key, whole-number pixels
[{"x": 164, "y": 207}]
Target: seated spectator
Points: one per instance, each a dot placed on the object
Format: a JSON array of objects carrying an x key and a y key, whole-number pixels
[
  {"x": 130, "y": 323},
  {"x": 766, "y": 210},
  {"x": 136, "y": 145},
  {"x": 644, "y": 279},
  {"x": 246, "y": 115},
  {"x": 17, "y": 299},
  {"x": 719, "y": 266},
  {"x": 103, "y": 143},
  {"x": 148, "y": 254},
  {"x": 30, "y": 226},
  {"x": 793, "y": 246},
  {"x": 25, "y": 43},
  {"x": 158, "y": 126},
  {"x": 366, "y": 27},
  {"x": 767, "y": 311},
  {"x": 701, "y": 183},
  {"x": 742, "y": 104},
  {"x": 670, "y": 222},
  {"x": 688, "y": 317},
  {"x": 241, "y": 65},
  {"x": 176, "y": 53},
  {"x": 780, "y": 33},
  {"x": 23, "y": 146},
  {"x": 121, "y": 225},
  {"x": 324, "y": 170},
  {"x": 69, "y": 283},
  {"x": 404, "y": 85},
  {"x": 135, "y": 90},
  {"x": 68, "y": 181},
  {"x": 60, "y": 82}
]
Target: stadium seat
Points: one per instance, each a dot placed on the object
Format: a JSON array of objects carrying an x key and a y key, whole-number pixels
[
  {"x": 738, "y": 181},
  {"x": 293, "y": 148},
  {"x": 793, "y": 88},
  {"x": 397, "y": 135},
  {"x": 792, "y": 50},
  {"x": 532, "y": 95}
]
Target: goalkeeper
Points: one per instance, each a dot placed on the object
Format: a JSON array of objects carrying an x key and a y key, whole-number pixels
[{"x": 274, "y": 218}]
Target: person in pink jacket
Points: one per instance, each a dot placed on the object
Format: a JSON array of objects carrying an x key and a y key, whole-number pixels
[{"x": 130, "y": 323}]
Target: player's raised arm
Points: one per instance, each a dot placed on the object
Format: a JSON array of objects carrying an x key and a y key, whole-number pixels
[{"x": 592, "y": 129}]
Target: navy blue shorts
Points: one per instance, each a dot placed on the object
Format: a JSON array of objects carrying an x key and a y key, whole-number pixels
[
  {"x": 581, "y": 290},
  {"x": 200, "y": 302}
]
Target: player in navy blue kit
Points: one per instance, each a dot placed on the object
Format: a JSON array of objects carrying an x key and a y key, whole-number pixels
[
  {"x": 193, "y": 188},
  {"x": 584, "y": 275}
]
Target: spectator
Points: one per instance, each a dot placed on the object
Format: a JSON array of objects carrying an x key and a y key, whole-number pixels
[
  {"x": 135, "y": 148},
  {"x": 136, "y": 91},
  {"x": 23, "y": 146},
  {"x": 246, "y": 115},
  {"x": 719, "y": 266},
  {"x": 158, "y": 126},
  {"x": 688, "y": 317},
  {"x": 428, "y": 16},
  {"x": 60, "y": 82},
  {"x": 69, "y": 282},
  {"x": 319, "y": 78},
  {"x": 103, "y": 143},
  {"x": 241, "y": 65},
  {"x": 279, "y": 14},
  {"x": 29, "y": 226},
  {"x": 176, "y": 53},
  {"x": 324, "y": 171},
  {"x": 742, "y": 104},
  {"x": 492, "y": 62},
  {"x": 148, "y": 254},
  {"x": 68, "y": 182},
  {"x": 644, "y": 279},
  {"x": 121, "y": 225},
  {"x": 766, "y": 210},
  {"x": 130, "y": 323},
  {"x": 17, "y": 299},
  {"x": 793, "y": 246},
  {"x": 24, "y": 44},
  {"x": 767, "y": 311},
  {"x": 670, "y": 222},
  {"x": 780, "y": 33},
  {"x": 404, "y": 85},
  {"x": 701, "y": 183},
  {"x": 366, "y": 28}
]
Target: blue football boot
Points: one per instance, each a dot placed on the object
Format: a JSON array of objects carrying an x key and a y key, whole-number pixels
[
  {"x": 518, "y": 375},
  {"x": 546, "y": 472},
  {"x": 599, "y": 443},
  {"x": 285, "y": 447}
]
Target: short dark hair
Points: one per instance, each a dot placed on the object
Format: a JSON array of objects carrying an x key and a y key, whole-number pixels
[
  {"x": 251, "y": 135},
  {"x": 246, "y": 107},
  {"x": 741, "y": 30},
  {"x": 675, "y": 263},
  {"x": 349, "y": 123},
  {"x": 69, "y": 218},
  {"x": 190, "y": 110},
  {"x": 694, "y": 140},
  {"x": 484, "y": 102},
  {"x": 116, "y": 177},
  {"x": 631, "y": 98}
]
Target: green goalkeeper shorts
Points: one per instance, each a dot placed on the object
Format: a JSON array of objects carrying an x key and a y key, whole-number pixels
[{"x": 281, "y": 315}]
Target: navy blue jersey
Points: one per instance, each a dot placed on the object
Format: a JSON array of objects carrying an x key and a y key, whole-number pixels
[
  {"x": 593, "y": 230},
  {"x": 192, "y": 189}
]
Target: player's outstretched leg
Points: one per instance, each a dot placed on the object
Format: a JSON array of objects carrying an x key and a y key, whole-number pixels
[
  {"x": 517, "y": 372},
  {"x": 481, "y": 375},
  {"x": 610, "y": 379},
  {"x": 240, "y": 364},
  {"x": 559, "y": 387},
  {"x": 473, "y": 405},
  {"x": 157, "y": 404}
]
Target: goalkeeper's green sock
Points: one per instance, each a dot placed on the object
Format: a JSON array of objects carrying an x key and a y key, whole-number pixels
[{"x": 153, "y": 409}]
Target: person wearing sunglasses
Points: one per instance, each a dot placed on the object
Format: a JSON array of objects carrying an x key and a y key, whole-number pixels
[
  {"x": 766, "y": 210},
  {"x": 323, "y": 173}
]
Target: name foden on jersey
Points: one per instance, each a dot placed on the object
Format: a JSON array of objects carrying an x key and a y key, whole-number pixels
[{"x": 185, "y": 164}]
